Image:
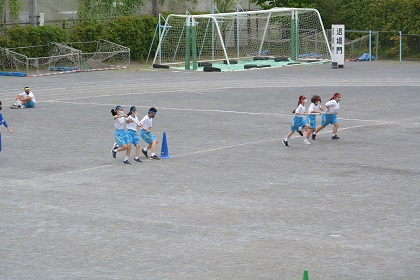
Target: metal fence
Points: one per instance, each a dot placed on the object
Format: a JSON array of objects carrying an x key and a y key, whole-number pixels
[
  {"x": 383, "y": 45},
  {"x": 391, "y": 45}
]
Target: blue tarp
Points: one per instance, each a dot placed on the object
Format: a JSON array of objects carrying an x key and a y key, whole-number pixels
[
  {"x": 311, "y": 55},
  {"x": 366, "y": 57},
  {"x": 263, "y": 52},
  {"x": 63, "y": 68},
  {"x": 16, "y": 74}
]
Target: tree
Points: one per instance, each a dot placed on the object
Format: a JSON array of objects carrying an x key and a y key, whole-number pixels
[
  {"x": 284, "y": 3},
  {"x": 225, "y": 6},
  {"x": 107, "y": 9},
  {"x": 11, "y": 8}
]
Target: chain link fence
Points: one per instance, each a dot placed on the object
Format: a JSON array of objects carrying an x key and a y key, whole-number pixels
[{"x": 383, "y": 45}]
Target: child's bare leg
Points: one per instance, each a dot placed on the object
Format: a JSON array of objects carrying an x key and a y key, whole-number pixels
[
  {"x": 127, "y": 152},
  {"x": 319, "y": 128},
  {"x": 138, "y": 150},
  {"x": 153, "y": 146},
  {"x": 335, "y": 128},
  {"x": 289, "y": 135}
]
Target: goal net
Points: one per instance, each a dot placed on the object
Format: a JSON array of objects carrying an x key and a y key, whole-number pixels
[
  {"x": 102, "y": 54},
  {"x": 288, "y": 33},
  {"x": 38, "y": 59},
  {"x": 68, "y": 57}
]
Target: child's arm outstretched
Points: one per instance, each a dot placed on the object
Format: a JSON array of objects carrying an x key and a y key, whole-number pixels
[{"x": 3, "y": 121}]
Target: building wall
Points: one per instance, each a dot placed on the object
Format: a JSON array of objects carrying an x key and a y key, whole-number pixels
[
  {"x": 53, "y": 10},
  {"x": 58, "y": 10}
]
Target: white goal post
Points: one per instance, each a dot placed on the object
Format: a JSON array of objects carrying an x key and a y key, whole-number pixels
[{"x": 293, "y": 33}]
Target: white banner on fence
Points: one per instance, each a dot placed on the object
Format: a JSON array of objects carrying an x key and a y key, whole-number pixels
[{"x": 337, "y": 44}]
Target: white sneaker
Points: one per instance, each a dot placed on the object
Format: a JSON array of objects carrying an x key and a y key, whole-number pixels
[{"x": 306, "y": 142}]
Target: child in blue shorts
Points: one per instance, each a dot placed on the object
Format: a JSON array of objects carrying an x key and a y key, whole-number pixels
[
  {"x": 147, "y": 135},
  {"x": 133, "y": 123},
  {"x": 3, "y": 122},
  {"x": 25, "y": 99},
  {"x": 330, "y": 116},
  {"x": 298, "y": 123},
  {"x": 314, "y": 109},
  {"x": 121, "y": 138}
]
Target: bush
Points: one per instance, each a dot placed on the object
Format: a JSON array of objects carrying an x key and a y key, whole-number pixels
[
  {"x": 24, "y": 36},
  {"x": 135, "y": 33},
  {"x": 87, "y": 31},
  {"x": 37, "y": 38}
]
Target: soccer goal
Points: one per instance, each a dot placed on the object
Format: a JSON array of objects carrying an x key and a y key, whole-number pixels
[
  {"x": 58, "y": 58},
  {"x": 38, "y": 59},
  {"x": 279, "y": 33}
]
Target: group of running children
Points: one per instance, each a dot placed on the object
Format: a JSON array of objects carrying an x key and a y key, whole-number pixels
[
  {"x": 126, "y": 126},
  {"x": 307, "y": 127},
  {"x": 126, "y": 133}
]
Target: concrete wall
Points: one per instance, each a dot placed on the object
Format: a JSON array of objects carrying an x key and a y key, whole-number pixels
[{"x": 57, "y": 10}]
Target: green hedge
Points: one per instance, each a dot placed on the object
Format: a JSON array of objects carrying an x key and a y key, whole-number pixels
[
  {"x": 135, "y": 33},
  {"x": 25, "y": 36}
]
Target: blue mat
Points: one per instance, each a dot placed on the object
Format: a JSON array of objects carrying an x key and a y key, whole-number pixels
[{"x": 16, "y": 74}]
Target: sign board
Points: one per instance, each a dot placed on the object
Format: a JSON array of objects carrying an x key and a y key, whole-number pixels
[{"x": 337, "y": 44}]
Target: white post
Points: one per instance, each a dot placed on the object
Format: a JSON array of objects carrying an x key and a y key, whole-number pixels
[
  {"x": 370, "y": 45},
  {"x": 41, "y": 19},
  {"x": 337, "y": 43},
  {"x": 265, "y": 33},
  {"x": 400, "y": 35}
]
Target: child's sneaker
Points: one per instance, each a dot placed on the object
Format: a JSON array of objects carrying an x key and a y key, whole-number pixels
[
  {"x": 313, "y": 136},
  {"x": 299, "y": 130},
  {"x": 144, "y": 152},
  {"x": 285, "y": 143},
  {"x": 306, "y": 142},
  {"x": 126, "y": 162},
  {"x": 114, "y": 150},
  {"x": 155, "y": 157},
  {"x": 137, "y": 160},
  {"x": 335, "y": 137}
]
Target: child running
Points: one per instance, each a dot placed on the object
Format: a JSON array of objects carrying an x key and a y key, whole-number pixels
[
  {"x": 121, "y": 138},
  {"x": 314, "y": 109},
  {"x": 132, "y": 124},
  {"x": 298, "y": 123},
  {"x": 3, "y": 122},
  {"x": 330, "y": 116},
  {"x": 147, "y": 135}
]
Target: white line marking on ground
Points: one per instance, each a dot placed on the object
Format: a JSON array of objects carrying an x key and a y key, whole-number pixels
[
  {"x": 68, "y": 172},
  {"x": 203, "y": 110},
  {"x": 262, "y": 141},
  {"x": 84, "y": 170}
]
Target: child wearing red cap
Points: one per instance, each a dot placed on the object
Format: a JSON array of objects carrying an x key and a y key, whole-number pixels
[
  {"x": 330, "y": 116},
  {"x": 298, "y": 123}
]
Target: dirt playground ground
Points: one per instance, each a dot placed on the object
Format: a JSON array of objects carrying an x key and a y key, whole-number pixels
[{"x": 232, "y": 202}]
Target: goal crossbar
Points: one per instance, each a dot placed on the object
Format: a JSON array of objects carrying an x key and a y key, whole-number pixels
[{"x": 291, "y": 32}]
